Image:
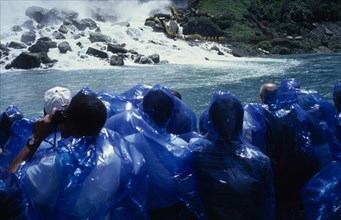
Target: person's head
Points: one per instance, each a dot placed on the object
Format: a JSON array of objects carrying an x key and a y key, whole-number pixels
[
  {"x": 265, "y": 91},
  {"x": 56, "y": 97},
  {"x": 337, "y": 96},
  {"x": 226, "y": 113},
  {"x": 157, "y": 104},
  {"x": 85, "y": 116}
]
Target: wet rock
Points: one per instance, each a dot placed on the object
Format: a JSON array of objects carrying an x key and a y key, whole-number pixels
[
  {"x": 63, "y": 29},
  {"x": 16, "y": 28},
  {"x": 89, "y": 23},
  {"x": 97, "y": 53},
  {"x": 28, "y": 37},
  {"x": 155, "y": 58},
  {"x": 116, "y": 48},
  {"x": 38, "y": 14},
  {"x": 40, "y": 46},
  {"x": 58, "y": 35},
  {"x": 17, "y": 45},
  {"x": 116, "y": 60},
  {"x": 26, "y": 60},
  {"x": 64, "y": 47},
  {"x": 98, "y": 37}
]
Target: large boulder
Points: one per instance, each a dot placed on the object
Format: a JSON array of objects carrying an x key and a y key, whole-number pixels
[
  {"x": 116, "y": 48},
  {"x": 48, "y": 40},
  {"x": 58, "y": 35},
  {"x": 203, "y": 26},
  {"x": 26, "y": 60},
  {"x": 97, "y": 53},
  {"x": 28, "y": 37},
  {"x": 17, "y": 45},
  {"x": 116, "y": 60},
  {"x": 64, "y": 47},
  {"x": 57, "y": 15},
  {"x": 173, "y": 27},
  {"x": 63, "y": 29},
  {"x": 38, "y": 14},
  {"x": 155, "y": 58},
  {"x": 16, "y": 28},
  {"x": 98, "y": 37},
  {"x": 40, "y": 46},
  {"x": 4, "y": 51},
  {"x": 89, "y": 23}
]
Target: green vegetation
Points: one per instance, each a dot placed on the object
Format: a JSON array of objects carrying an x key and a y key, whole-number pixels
[{"x": 278, "y": 26}]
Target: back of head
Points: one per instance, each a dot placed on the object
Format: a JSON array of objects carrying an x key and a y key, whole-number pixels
[
  {"x": 88, "y": 114},
  {"x": 158, "y": 105},
  {"x": 226, "y": 113},
  {"x": 266, "y": 90},
  {"x": 56, "y": 97}
]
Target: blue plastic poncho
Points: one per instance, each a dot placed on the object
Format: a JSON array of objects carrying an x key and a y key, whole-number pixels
[
  {"x": 114, "y": 103},
  {"x": 167, "y": 156},
  {"x": 182, "y": 119},
  {"x": 7, "y": 118},
  {"x": 234, "y": 177},
  {"x": 89, "y": 177},
  {"x": 322, "y": 194},
  {"x": 322, "y": 118},
  {"x": 14, "y": 200},
  {"x": 289, "y": 145},
  {"x": 254, "y": 129}
]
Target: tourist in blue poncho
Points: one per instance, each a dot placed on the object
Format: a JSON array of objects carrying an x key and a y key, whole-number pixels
[
  {"x": 93, "y": 174},
  {"x": 172, "y": 186},
  {"x": 294, "y": 157},
  {"x": 234, "y": 177}
]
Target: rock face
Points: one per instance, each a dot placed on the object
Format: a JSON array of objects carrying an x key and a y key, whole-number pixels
[
  {"x": 202, "y": 26},
  {"x": 45, "y": 16}
]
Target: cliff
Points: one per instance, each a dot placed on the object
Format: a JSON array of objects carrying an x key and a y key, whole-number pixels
[{"x": 254, "y": 27}]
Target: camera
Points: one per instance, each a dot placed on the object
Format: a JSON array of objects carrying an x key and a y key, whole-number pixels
[{"x": 59, "y": 117}]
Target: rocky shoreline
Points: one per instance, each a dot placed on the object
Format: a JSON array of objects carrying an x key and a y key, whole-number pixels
[{"x": 48, "y": 29}]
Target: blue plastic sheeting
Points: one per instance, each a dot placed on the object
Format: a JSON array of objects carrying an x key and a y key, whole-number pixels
[
  {"x": 293, "y": 156},
  {"x": 7, "y": 118},
  {"x": 254, "y": 128},
  {"x": 14, "y": 200},
  {"x": 323, "y": 117},
  {"x": 235, "y": 178},
  {"x": 182, "y": 119},
  {"x": 322, "y": 194},
  {"x": 167, "y": 156},
  {"x": 114, "y": 103},
  {"x": 136, "y": 93},
  {"x": 89, "y": 177}
]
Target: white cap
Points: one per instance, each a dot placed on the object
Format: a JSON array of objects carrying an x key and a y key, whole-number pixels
[{"x": 56, "y": 97}]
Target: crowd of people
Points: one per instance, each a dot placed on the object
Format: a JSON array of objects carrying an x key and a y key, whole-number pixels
[{"x": 141, "y": 155}]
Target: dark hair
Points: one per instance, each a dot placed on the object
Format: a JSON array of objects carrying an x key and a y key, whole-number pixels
[
  {"x": 227, "y": 117},
  {"x": 158, "y": 105},
  {"x": 88, "y": 114}
]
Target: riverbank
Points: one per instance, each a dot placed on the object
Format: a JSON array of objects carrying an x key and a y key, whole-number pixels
[{"x": 258, "y": 27}]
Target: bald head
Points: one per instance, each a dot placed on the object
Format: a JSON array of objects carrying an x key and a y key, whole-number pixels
[{"x": 265, "y": 90}]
